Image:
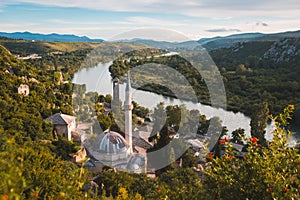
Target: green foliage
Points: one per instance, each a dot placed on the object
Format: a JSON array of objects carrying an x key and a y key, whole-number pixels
[
  {"x": 140, "y": 110},
  {"x": 23, "y": 47},
  {"x": 179, "y": 120},
  {"x": 264, "y": 173},
  {"x": 258, "y": 122},
  {"x": 182, "y": 183},
  {"x": 242, "y": 70},
  {"x": 63, "y": 148},
  {"x": 250, "y": 78},
  {"x": 238, "y": 135},
  {"x": 105, "y": 121},
  {"x": 189, "y": 159},
  {"x": 246, "y": 52},
  {"x": 31, "y": 170},
  {"x": 117, "y": 184}
]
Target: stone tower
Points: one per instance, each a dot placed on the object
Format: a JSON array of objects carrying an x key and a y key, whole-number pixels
[
  {"x": 115, "y": 102},
  {"x": 128, "y": 113}
]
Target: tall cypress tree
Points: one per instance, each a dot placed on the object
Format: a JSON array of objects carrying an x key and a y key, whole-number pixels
[{"x": 259, "y": 122}]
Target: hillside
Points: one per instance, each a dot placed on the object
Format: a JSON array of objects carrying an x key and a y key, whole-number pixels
[
  {"x": 15, "y": 72},
  {"x": 261, "y": 71},
  {"x": 259, "y": 54},
  {"x": 248, "y": 53},
  {"x": 53, "y": 37},
  {"x": 227, "y": 41},
  {"x": 26, "y": 47},
  {"x": 284, "y": 51},
  {"x": 164, "y": 44},
  {"x": 28, "y": 157}
]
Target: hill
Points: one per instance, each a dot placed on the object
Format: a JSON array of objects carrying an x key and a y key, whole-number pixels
[
  {"x": 283, "y": 51},
  {"x": 259, "y": 71},
  {"x": 26, "y": 47},
  {"x": 53, "y": 37},
  {"x": 227, "y": 41},
  {"x": 215, "y": 42},
  {"x": 259, "y": 54},
  {"x": 173, "y": 46}
]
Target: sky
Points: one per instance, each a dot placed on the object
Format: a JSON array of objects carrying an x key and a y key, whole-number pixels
[{"x": 106, "y": 19}]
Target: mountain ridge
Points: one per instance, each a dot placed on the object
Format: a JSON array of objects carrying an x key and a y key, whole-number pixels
[
  {"x": 207, "y": 43},
  {"x": 227, "y": 41},
  {"x": 52, "y": 37}
]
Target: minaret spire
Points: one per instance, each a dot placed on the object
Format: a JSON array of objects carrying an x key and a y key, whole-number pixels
[{"x": 128, "y": 113}]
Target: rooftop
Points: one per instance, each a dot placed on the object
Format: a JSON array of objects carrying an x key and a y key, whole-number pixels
[{"x": 61, "y": 119}]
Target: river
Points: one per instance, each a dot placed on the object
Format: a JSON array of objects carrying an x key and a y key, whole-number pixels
[{"x": 98, "y": 79}]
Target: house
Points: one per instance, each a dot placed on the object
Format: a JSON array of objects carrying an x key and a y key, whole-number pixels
[
  {"x": 63, "y": 124},
  {"x": 23, "y": 89},
  {"x": 79, "y": 156}
]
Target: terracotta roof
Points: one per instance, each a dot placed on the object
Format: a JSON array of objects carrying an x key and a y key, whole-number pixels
[{"x": 60, "y": 119}]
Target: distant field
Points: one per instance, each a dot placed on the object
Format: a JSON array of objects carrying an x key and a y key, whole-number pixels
[
  {"x": 70, "y": 46},
  {"x": 25, "y": 47}
]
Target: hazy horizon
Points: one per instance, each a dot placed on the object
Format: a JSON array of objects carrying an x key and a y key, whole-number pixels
[{"x": 193, "y": 19}]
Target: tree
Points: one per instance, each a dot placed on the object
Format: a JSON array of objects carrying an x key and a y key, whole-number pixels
[
  {"x": 258, "y": 122},
  {"x": 105, "y": 121},
  {"x": 174, "y": 116},
  {"x": 31, "y": 170},
  {"x": 183, "y": 183},
  {"x": 242, "y": 70},
  {"x": 215, "y": 132},
  {"x": 264, "y": 173},
  {"x": 189, "y": 159},
  {"x": 108, "y": 98},
  {"x": 238, "y": 135},
  {"x": 159, "y": 119},
  {"x": 139, "y": 110}
]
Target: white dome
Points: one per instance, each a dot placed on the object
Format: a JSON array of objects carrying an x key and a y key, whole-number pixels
[{"x": 112, "y": 143}]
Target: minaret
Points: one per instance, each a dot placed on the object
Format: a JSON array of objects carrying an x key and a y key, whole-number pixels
[{"x": 128, "y": 113}]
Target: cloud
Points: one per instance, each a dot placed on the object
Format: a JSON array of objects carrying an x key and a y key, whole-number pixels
[
  {"x": 60, "y": 21},
  {"x": 222, "y": 30},
  {"x": 12, "y": 25},
  {"x": 194, "y": 18},
  {"x": 201, "y": 8},
  {"x": 261, "y": 24},
  {"x": 148, "y": 21}
]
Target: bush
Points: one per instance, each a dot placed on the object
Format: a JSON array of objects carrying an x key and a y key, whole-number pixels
[{"x": 270, "y": 172}]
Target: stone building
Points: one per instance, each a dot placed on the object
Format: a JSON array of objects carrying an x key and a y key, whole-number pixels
[
  {"x": 63, "y": 124},
  {"x": 23, "y": 89}
]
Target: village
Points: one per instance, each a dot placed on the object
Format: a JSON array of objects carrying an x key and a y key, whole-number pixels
[{"x": 125, "y": 151}]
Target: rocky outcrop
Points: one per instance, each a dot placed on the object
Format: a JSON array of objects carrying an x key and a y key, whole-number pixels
[{"x": 283, "y": 51}]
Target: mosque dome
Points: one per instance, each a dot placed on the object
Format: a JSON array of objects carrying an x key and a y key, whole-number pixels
[{"x": 112, "y": 143}]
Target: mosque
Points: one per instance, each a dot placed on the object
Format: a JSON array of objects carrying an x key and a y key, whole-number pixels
[{"x": 111, "y": 148}]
